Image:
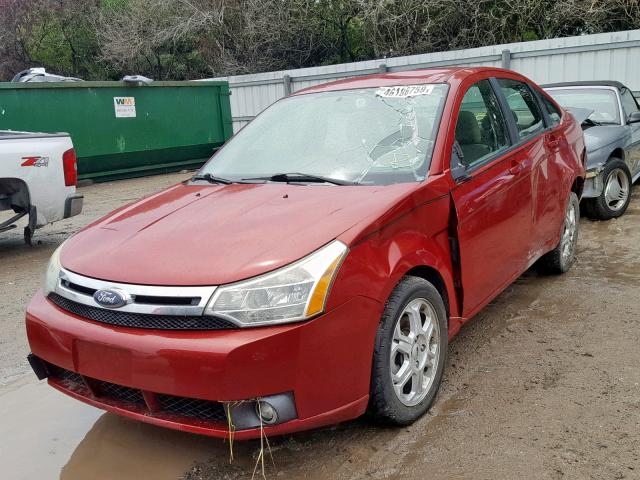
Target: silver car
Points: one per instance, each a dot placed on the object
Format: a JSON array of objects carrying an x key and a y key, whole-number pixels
[
  {"x": 612, "y": 137},
  {"x": 40, "y": 75}
]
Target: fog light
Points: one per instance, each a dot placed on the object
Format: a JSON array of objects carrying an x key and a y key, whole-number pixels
[
  {"x": 273, "y": 410},
  {"x": 266, "y": 412}
]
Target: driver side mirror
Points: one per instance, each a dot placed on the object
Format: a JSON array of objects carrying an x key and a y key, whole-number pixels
[{"x": 634, "y": 117}]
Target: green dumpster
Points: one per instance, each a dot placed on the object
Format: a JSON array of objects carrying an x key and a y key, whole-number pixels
[{"x": 124, "y": 130}]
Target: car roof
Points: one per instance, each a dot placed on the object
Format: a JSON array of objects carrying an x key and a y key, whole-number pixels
[
  {"x": 587, "y": 83},
  {"x": 405, "y": 77}
]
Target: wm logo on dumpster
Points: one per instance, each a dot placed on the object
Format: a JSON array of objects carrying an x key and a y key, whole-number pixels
[
  {"x": 125, "y": 100},
  {"x": 124, "y": 107}
]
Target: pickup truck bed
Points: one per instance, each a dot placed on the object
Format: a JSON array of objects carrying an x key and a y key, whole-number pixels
[{"x": 37, "y": 179}]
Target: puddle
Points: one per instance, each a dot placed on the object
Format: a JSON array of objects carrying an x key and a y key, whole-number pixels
[{"x": 46, "y": 435}]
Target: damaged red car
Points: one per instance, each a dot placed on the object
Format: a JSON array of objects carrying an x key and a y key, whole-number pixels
[{"x": 317, "y": 266}]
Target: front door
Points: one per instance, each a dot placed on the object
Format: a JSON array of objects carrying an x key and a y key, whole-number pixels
[
  {"x": 632, "y": 150},
  {"x": 492, "y": 197}
]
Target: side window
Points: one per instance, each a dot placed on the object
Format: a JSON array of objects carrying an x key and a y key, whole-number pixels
[
  {"x": 481, "y": 129},
  {"x": 524, "y": 107},
  {"x": 628, "y": 102},
  {"x": 553, "y": 111}
]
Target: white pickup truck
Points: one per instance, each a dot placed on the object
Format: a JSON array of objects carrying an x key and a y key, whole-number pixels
[{"x": 38, "y": 176}]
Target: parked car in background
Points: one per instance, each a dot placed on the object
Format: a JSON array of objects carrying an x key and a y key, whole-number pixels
[
  {"x": 318, "y": 265},
  {"x": 40, "y": 75},
  {"x": 612, "y": 136},
  {"x": 38, "y": 176}
]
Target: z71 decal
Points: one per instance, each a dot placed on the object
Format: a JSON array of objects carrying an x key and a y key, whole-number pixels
[{"x": 35, "y": 162}]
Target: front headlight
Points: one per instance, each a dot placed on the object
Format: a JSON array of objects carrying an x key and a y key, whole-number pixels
[
  {"x": 52, "y": 274},
  {"x": 293, "y": 293}
]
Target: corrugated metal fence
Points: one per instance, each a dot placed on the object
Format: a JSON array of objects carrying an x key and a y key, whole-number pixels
[{"x": 604, "y": 56}]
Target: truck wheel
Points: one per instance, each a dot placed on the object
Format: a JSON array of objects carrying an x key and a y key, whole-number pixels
[
  {"x": 410, "y": 353},
  {"x": 616, "y": 194},
  {"x": 560, "y": 259}
]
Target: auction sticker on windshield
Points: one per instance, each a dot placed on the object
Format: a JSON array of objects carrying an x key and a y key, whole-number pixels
[{"x": 404, "y": 91}]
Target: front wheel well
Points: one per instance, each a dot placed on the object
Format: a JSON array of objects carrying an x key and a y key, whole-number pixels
[
  {"x": 617, "y": 153},
  {"x": 432, "y": 276},
  {"x": 578, "y": 186}
]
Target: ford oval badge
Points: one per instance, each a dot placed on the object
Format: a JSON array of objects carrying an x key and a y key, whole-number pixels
[{"x": 112, "y": 297}]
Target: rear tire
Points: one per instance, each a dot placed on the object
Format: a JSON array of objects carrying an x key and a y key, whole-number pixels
[
  {"x": 616, "y": 193},
  {"x": 410, "y": 353},
  {"x": 560, "y": 259}
]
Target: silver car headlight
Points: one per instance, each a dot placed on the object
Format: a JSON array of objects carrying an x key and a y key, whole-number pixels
[
  {"x": 52, "y": 274},
  {"x": 290, "y": 294}
]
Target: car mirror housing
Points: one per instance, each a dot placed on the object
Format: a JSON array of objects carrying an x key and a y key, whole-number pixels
[{"x": 634, "y": 117}]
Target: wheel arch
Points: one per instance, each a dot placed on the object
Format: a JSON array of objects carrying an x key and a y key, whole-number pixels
[
  {"x": 617, "y": 153},
  {"x": 433, "y": 276},
  {"x": 578, "y": 186},
  {"x": 17, "y": 191},
  {"x": 427, "y": 257}
]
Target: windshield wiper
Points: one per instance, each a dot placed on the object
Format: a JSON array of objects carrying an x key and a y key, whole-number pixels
[
  {"x": 591, "y": 122},
  {"x": 211, "y": 179},
  {"x": 301, "y": 177}
]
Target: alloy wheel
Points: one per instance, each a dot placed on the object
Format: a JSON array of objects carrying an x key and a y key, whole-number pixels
[
  {"x": 616, "y": 190},
  {"x": 415, "y": 352},
  {"x": 567, "y": 242}
]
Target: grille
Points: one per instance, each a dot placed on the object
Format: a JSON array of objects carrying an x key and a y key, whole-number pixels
[
  {"x": 149, "y": 299},
  {"x": 65, "y": 375},
  {"x": 140, "y": 320},
  {"x": 169, "y": 404},
  {"x": 191, "y": 407},
  {"x": 121, "y": 393}
]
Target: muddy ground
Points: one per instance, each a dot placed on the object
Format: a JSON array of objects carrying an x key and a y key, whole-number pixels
[{"x": 543, "y": 384}]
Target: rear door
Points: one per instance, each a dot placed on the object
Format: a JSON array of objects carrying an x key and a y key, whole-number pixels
[
  {"x": 492, "y": 195},
  {"x": 542, "y": 146}
]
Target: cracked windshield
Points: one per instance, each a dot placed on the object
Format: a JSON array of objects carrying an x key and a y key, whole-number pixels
[{"x": 371, "y": 136}]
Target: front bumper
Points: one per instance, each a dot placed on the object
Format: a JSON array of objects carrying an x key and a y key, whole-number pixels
[
  {"x": 594, "y": 184},
  {"x": 324, "y": 364}
]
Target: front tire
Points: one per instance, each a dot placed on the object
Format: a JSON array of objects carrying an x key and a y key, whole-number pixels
[
  {"x": 560, "y": 259},
  {"x": 410, "y": 353},
  {"x": 616, "y": 193}
]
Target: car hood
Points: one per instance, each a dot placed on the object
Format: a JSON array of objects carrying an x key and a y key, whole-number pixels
[{"x": 212, "y": 235}]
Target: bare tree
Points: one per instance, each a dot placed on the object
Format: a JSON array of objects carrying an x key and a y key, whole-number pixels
[{"x": 181, "y": 39}]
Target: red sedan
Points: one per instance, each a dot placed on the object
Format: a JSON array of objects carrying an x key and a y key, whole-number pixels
[{"x": 318, "y": 265}]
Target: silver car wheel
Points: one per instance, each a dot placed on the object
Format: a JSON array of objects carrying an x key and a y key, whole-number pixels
[
  {"x": 567, "y": 242},
  {"x": 415, "y": 351},
  {"x": 616, "y": 190}
]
